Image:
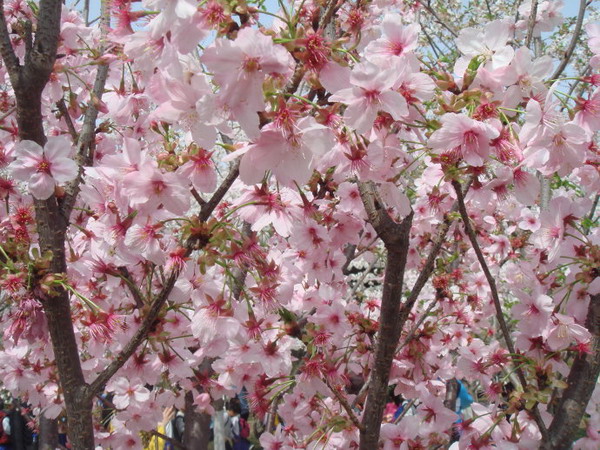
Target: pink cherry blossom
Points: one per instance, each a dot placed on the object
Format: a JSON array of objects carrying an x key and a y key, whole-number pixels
[
  {"x": 291, "y": 156},
  {"x": 371, "y": 92},
  {"x": 240, "y": 67},
  {"x": 126, "y": 392},
  {"x": 149, "y": 188},
  {"x": 43, "y": 168},
  {"x": 397, "y": 39},
  {"x": 465, "y": 137}
]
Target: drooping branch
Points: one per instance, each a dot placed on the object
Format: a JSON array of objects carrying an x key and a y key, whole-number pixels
[
  {"x": 395, "y": 237},
  {"x": 574, "y": 39},
  {"x": 581, "y": 384},
  {"x": 496, "y": 298}
]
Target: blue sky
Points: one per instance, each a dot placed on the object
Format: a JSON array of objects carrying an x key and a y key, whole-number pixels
[{"x": 570, "y": 8}]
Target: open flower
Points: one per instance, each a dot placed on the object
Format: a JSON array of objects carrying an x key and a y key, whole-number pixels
[
  {"x": 371, "y": 92},
  {"x": 468, "y": 138},
  {"x": 43, "y": 168}
]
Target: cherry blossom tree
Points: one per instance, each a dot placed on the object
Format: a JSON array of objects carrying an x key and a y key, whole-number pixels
[{"x": 317, "y": 203}]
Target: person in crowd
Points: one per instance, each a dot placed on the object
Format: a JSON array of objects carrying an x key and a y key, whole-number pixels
[
  {"x": 4, "y": 428},
  {"x": 15, "y": 429},
  {"x": 175, "y": 429},
  {"x": 239, "y": 428},
  {"x": 156, "y": 442}
]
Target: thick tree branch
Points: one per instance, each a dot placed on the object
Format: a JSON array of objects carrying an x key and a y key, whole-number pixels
[
  {"x": 496, "y": 298},
  {"x": 11, "y": 61},
  {"x": 395, "y": 237},
  {"x": 39, "y": 62},
  {"x": 424, "y": 275},
  {"x": 581, "y": 384}
]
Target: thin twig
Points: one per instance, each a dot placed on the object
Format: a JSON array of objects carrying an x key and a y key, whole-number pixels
[
  {"x": 62, "y": 107},
  {"x": 344, "y": 402},
  {"x": 405, "y": 410},
  {"x": 496, "y": 298},
  {"x": 360, "y": 281},
  {"x": 431, "y": 11},
  {"x": 8, "y": 113},
  {"x": 133, "y": 289},
  {"x": 531, "y": 22},
  {"x": 171, "y": 441}
]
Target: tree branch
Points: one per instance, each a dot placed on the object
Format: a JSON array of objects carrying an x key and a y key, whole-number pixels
[
  {"x": 39, "y": 62},
  {"x": 207, "y": 209},
  {"x": 419, "y": 284},
  {"x": 581, "y": 384},
  {"x": 11, "y": 61},
  {"x": 86, "y": 143},
  {"x": 531, "y": 22},
  {"x": 161, "y": 298},
  {"x": 395, "y": 237},
  {"x": 573, "y": 43},
  {"x": 64, "y": 112},
  {"x": 496, "y": 298},
  {"x": 431, "y": 11},
  {"x": 344, "y": 402},
  {"x": 140, "y": 335},
  {"x": 133, "y": 289}
]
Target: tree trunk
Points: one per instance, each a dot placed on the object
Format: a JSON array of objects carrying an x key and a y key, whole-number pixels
[
  {"x": 581, "y": 384},
  {"x": 48, "y": 436},
  {"x": 75, "y": 392},
  {"x": 197, "y": 426}
]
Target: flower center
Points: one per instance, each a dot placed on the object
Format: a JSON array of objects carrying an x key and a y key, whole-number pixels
[
  {"x": 470, "y": 140},
  {"x": 372, "y": 95},
  {"x": 158, "y": 186},
  {"x": 396, "y": 48},
  {"x": 44, "y": 166},
  {"x": 251, "y": 65}
]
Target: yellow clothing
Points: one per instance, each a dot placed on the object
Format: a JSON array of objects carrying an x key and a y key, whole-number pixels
[{"x": 156, "y": 443}]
